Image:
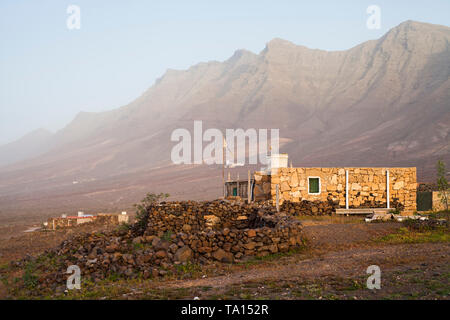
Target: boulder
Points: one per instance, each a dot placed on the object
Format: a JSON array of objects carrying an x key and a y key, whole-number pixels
[
  {"x": 223, "y": 256},
  {"x": 161, "y": 254},
  {"x": 184, "y": 254},
  {"x": 251, "y": 233},
  {"x": 187, "y": 228}
]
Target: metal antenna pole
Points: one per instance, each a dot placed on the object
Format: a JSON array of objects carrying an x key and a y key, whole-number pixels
[{"x": 223, "y": 166}]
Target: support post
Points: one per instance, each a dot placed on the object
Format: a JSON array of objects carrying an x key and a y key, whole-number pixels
[
  {"x": 346, "y": 189},
  {"x": 249, "y": 196},
  {"x": 238, "y": 189},
  {"x": 278, "y": 198},
  {"x": 223, "y": 168},
  {"x": 388, "y": 206}
]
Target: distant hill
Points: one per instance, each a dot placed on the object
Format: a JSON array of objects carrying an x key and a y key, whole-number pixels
[
  {"x": 384, "y": 102},
  {"x": 30, "y": 145}
]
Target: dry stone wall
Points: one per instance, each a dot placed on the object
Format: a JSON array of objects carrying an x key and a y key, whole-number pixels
[
  {"x": 101, "y": 219},
  {"x": 367, "y": 186},
  {"x": 309, "y": 208},
  {"x": 174, "y": 234},
  {"x": 261, "y": 190},
  {"x": 224, "y": 231}
]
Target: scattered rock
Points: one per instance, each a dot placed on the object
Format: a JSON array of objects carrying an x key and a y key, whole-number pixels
[
  {"x": 183, "y": 254},
  {"x": 223, "y": 256}
]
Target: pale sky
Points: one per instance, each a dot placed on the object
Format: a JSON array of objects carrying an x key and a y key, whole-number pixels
[{"x": 50, "y": 73}]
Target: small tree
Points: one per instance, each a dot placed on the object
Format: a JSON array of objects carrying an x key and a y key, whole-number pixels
[
  {"x": 142, "y": 210},
  {"x": 442, "y": 183}
]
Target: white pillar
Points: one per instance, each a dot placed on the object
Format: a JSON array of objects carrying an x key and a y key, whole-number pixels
[
  {"x": 346, "y": 189},
  {"x": 238, "y": 191},
  {"x": 387, "y": 189},
  {"x": 278, "y": 198},
  {"x": 249, "y": 196}
]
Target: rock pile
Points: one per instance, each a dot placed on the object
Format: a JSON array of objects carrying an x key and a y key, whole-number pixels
[
  {"x": 223, "y": 231},
  {"x": 192, "y": 217},
  {"x": 309, "y": 208},
  {"x": 178, "y": 233}
]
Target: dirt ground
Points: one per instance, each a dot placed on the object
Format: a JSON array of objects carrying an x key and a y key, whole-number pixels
[
  {"x": 332, "y": 266},
  {"x": 32, "y": 243}
]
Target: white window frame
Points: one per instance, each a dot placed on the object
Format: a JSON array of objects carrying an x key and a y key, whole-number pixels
[{"x": 320, "y": 185}]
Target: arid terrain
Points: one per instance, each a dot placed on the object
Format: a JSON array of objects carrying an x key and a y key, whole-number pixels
[
  {"x": 333, "y": 264},
  {"x": 384, "y": 102}
]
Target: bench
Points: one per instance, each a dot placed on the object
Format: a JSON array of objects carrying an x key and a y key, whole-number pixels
[{"x": 362, "y": 211}]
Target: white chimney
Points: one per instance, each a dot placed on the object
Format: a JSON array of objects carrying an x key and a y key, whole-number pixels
[
  {"x": 279, "y": 161},
  {"x": 80, "y": 213},
  {"x": 124, "y": 213},
  {"x": 64, "y": 215}
]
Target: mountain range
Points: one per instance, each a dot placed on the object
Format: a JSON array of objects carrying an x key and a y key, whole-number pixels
[{"x": 385, "y": 102}]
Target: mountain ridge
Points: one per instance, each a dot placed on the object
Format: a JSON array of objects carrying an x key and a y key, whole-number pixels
[{"x": 384, "y": 102}]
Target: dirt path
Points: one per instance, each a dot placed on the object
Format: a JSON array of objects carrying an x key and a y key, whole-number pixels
[
  {"x": 342, "y": 250},
  {"x": 345, "y": 264},
  {"x": 329, "y": 236}
]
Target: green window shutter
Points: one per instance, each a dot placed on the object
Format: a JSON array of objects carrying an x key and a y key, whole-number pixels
[
  {"x": 314, "y": 185},
  {"x": 234, "y": 192}
]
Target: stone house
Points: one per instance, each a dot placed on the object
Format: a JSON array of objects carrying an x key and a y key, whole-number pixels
[
  {"x": 71, "y": 221},
  {"x": 348, "y": 188}
]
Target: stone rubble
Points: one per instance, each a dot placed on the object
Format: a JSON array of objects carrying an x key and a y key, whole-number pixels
[{"x": 178, "y": 233}]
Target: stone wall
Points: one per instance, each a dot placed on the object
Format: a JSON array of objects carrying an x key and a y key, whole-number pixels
[
  {"x": 309, "y": 208},
  {"x": 223, "y": 231},
  {"x": 261, "y": 190},
  {"x": 165, "y": 242},
  {"x": 60, "y": 222},
  {"x": 101, "y": 219},
  {"x": 367, "y": 186}
]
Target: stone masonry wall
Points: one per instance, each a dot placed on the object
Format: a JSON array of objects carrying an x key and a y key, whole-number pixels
[
  {"x": 262, "y": 187},
  {"x": 367, "y": 186},
  {"x": 101, "y": 219},
  {"x": 224, "y": 231}
]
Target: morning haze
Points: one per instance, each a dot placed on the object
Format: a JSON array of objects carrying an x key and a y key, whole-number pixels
[{"x": 50, "y": 73}]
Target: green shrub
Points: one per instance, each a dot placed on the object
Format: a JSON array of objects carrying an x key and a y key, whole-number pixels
[
  {"x": 143, "y": 210},
  {"x": 30, "y": 280}
]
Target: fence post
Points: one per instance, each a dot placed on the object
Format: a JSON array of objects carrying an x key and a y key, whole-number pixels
[
  {"x": 387, "y": 190},
  {"x": 278, "y": 198},
  {"x": 346, "y": 189}
]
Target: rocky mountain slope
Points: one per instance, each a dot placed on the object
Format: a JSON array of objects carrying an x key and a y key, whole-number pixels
[{"x": 384, "y": 102}]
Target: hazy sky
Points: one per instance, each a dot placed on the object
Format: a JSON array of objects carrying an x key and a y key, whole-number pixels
[{"x": 49, "y": 73}]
